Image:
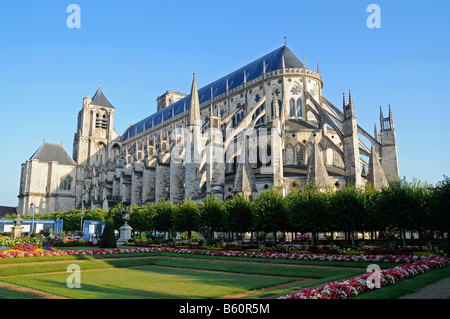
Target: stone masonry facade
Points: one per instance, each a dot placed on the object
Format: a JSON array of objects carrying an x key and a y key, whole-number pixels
[{"x": 265, "y": 124}]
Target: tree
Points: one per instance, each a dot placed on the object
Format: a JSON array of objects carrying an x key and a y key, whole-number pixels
[
  {"x": 439, "y": 206},
  {"x": 348, "y": 204},
  {"x": 108, "y": 239},
  {"x": 239, "y": 215},
  {"x": 186, "y": 217},
  {"x": 271, "y": 212},
  {"x": 212, "y": 215},
  {"x": 401, "y": 206},
  {"x": 162, "y": 215},
  {"x": 309, "y": 211},
  {"x": 140, "y": 219},
  {"x": 373, "y": 222}
]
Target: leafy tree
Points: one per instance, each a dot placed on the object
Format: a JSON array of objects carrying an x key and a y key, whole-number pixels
[
  {"x": 439, "y": 206},
  {"x": 239, "y": 215},
  {"x": 373, "y": 222},
  {"x": 271, "y": 212},
  {"x": 348, "y": 204},
  {"x": 96, "y": 214},
  {"x": 186, "y": 217},
  {"x": 401, "y": 205},
  {"x": 71, "y": 220},
  {"x": 162, "y": 215},
  {"x": 212, "y": 215},
  {"x": 140, "y": 219},
  {"x": 309, "y": 210}
]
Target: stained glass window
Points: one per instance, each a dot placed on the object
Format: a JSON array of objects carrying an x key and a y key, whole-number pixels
[
  {"x": 299, "y": 108},
  {"x": 292, "y": 108}
]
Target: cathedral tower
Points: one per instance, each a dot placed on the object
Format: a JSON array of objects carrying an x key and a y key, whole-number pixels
[
  {"x": 92, "y": 148},
  {"x": 389, "y": 159},
  {"x": 94, "y": 131}
]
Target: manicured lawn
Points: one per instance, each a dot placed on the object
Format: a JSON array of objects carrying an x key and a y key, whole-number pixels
[
  {"x": 147, "y": 282},
  {"x": 158, "y": 276},
  {"x": 165, "y": 275},
  {"x": 282, "y": 261},
  {"x": 8, "y": 294}
]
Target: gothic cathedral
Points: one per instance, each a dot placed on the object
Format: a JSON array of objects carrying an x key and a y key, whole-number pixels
[{"x": 265, "y": 124}]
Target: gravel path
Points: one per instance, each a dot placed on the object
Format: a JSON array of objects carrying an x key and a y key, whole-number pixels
[{"x": 439, "y": 290}]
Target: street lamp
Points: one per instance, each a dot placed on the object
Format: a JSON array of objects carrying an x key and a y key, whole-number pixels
[
  {"x": 32, "y": 221},
  {"x": 81, "y": 214}
]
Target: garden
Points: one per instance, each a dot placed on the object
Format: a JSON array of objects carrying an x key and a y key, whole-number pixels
[{"x": 270, "y": 247}]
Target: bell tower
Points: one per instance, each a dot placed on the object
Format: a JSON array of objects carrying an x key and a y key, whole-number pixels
[{"x": 94, "y": 131}]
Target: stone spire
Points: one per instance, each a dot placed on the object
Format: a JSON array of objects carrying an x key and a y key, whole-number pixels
[
  {"x": 193, "y": 147},
  {"x": 351, "y": 145},
  {"x": 376, "y": 175},
  {"x": 381, "y": 118},
  {"x": 317, "y": 173},
  {"x": 391, "y": 118},
  {"x": 351, "y": 107},
  {"x": 194, "y": 106},
  {"x": 244, "y": 182}
]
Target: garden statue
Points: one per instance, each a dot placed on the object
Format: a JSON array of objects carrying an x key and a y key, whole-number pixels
[
  {"x": 125, "y": 230},
  {"x": 126, "y": 215},
  {"x": 17, "y": 228}
]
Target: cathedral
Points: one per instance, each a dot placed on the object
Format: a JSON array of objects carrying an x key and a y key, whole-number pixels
[{"x": 265, "y": 124}]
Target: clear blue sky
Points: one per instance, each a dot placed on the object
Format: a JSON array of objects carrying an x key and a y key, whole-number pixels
[{"x": 140, "y": 49}]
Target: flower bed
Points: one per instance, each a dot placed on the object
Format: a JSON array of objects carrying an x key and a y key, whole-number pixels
[
  {"x": 9, "y": 241},
  {"x": 235, "y": 253},
  {"x": 343, "y": 289}
]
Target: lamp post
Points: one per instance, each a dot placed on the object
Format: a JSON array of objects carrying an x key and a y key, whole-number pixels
[
  {"x": 82, "y": 214},
  {"x": 32, "y": 220}
]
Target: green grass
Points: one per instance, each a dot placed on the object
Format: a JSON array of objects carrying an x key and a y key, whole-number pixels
[
  {"x": 8, "y": 294},
  {"x": 257, "y": 268},
  {"x": 235, "y": 267},
  {"x": 147, "y": 282},
  {"x": 113, "y": 278},
  {"x": 282, "y": 261}
]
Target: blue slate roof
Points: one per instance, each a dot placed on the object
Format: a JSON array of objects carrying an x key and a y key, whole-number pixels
[
  {"x": 100, "y": 99},
  {"x": 273, "y": 61}
]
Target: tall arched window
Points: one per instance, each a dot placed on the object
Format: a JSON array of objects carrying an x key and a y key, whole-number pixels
[
  {"x": 292, "y": 108},
  {"x": 299, "y": 108},
  {"x": 268, "y": 155},
  {"x": 65, "y": 183}
]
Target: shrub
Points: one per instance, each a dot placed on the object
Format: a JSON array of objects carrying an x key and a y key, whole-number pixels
[{"x": 108, "y": 239}]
